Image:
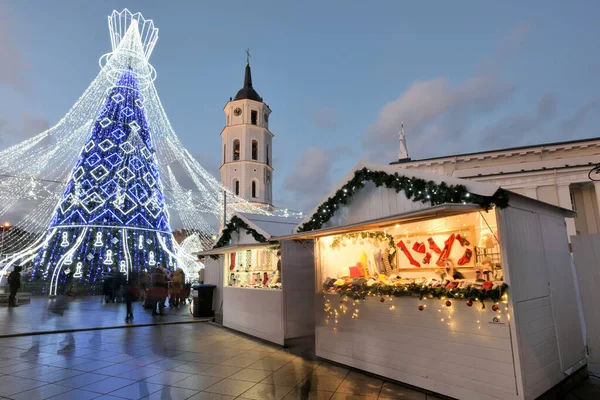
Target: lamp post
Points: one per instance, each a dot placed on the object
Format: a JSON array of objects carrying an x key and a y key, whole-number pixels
[{"x": 4, "y": 226}]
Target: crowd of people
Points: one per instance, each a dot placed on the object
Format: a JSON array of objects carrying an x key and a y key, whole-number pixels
[{"x": 152, "y": 289}]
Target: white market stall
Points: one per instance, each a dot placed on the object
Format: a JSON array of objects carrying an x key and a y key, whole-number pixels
[
  {"x": 264, "y": 287},
  {"x": 401, "y": 284}
]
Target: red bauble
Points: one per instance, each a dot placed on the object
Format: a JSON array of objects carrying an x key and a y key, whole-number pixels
[
  {"x": 469, "y": 303},
  {"x": 341, "y": 301},
  {"x": 448, "y": 303},
  {"x": 382, "y": 299},
  {"x": 421, "y": 308},
  {"x": 495, "y": 307}
]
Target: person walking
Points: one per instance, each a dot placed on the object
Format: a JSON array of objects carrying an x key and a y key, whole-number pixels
[
  {"x": 143, "y": 283},
  {"x": 159, "y": 290},
  {"x": 128, "y": 291},
  {"x": 176, "y": 287},
  {"x": 118, "y": 281},
  {"x": 14, "y": 283},
  {"x": 108, "y": 287}
]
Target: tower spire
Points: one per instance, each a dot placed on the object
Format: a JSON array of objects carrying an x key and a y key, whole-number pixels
[
  {"x": 248, "y": 92},
  {"x": 403, "y": 155}
]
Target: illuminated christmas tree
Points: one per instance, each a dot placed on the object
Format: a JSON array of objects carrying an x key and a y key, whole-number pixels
[
  {"x": 112, "y": 209},
  {"x": 112, "y": 212}
]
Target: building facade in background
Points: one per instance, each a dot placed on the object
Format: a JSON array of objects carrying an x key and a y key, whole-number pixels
[
  {"x": 246, "y": 145},
  {"x": 556, "y": 173}
]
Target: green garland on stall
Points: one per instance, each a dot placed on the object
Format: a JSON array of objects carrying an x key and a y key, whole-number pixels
[
  {"x": 416, "y": 189},
  {"x": 360, "y": 292},
  {"x": 233, "y": 225},
  {"x": 378, "y": 235}
]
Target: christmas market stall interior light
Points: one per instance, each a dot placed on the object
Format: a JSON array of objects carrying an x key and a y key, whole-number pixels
[
  {"x": 264, "y": 286},
  {"x": 470, "y": 294},
  {"x": 455, "y": 257},
  {"x": 258, "y": 268}
]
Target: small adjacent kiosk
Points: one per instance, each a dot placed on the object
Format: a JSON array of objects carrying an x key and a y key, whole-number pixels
[
  {"x": 454, "y": 286},
  {"x": 264, "y": 287}
]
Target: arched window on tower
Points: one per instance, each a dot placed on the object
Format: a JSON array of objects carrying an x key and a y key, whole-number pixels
[
  {"x": 236, "y": 150},
  {"x": 268, "y": 160},
  {"x": 224, "y": 153},
  {"x": 236, "y": 187},
  {"x": 254, "y": 195},
  {"x": 254, "y": 117},
  {"x": 255, "y": 150}
]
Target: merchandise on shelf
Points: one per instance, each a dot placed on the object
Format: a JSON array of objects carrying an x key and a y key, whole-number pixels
[
  {"x": 254, "y": 268},
  {"x": 466, "y": 265}
]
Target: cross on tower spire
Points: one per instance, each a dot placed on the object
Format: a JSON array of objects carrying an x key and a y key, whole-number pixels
[{"x": 248, "y": 56}]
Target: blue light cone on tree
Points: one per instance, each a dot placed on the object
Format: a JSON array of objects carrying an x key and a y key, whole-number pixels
[{"x": 112, "y": 213}]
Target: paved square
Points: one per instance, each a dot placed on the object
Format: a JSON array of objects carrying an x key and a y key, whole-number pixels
[{"x": 199, "y": 361}]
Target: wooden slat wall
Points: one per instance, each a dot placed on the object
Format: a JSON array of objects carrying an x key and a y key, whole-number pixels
[
  {"x": 564, "y": 302},
  {"x": 298, "y": 278},
  {"x": 371, "y": 203},
  {"x": 542, "y": 294},
  {"x": 586, "y": 252},
  {"x": 257, "y": 312},
  {"x": 466, "y": 360},
  {"x": 213, "y": 274},
  {"x": 539, "y": 346}
]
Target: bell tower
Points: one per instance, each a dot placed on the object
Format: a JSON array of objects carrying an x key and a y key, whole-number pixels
[{"x": 246, "y": 145}]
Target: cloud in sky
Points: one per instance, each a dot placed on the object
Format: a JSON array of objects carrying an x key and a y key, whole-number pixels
[
  {"x": 326, "y": 118},
  {"x": 311, "y": 178},
  {"x": 11, "y": 132},
  {"x": 13, "y": 64},
  {"x": 433, "y": 110}
]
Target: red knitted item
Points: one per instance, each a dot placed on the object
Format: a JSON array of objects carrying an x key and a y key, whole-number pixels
[
  {"x": 232, "y": 265},
  {"x": 463, "y": 241},
  {"x": 357, "y": 271},
  {"x": 487, "y": 285},
  {"x": 427, "y": 258},
  {"x": 446, "y": 251},
  {"x": 404, "y": 249},
  {"x": 466, "y": 257},
  {"x": 419, "y": 247},
  {"x": 433, "y": 246},
  {"x": 452, "y": 285}
]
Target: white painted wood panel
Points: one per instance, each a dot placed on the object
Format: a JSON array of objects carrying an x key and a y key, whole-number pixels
[
  {"x": 371, "y": 203},
  {"x": 562, "y": 288},
  {"x": 257, "y": 312},
  {"x": 586, "y": 253},
  {"x": 417, "y": 348},
  {"x": 298, "y": 277},
  {"x": 538, "y": 346},
  {"x": 522, "y": 237},
  {"x": 213, "y": 274}
]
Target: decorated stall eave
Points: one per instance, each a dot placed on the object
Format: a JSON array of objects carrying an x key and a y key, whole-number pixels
[
  {"x": 270, "y": 225},
  {"x": 261, "y": 227},
  {"x": 416, "y": 187},
  {"x": 443, "y": 210},
  {"x": 233, "y": 248}
]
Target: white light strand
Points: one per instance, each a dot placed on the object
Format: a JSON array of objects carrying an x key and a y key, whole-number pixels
[{"x": 37, "y": 169}]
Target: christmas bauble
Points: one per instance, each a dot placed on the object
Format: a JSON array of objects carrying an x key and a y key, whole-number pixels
[
  {"x": 495, "y": 307},
  {"x": 469, "y": 303},
  {"x": 448, "y": 303},
  {"x": 421, "y": 308},
  {"x": 382, "y": 299}
]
